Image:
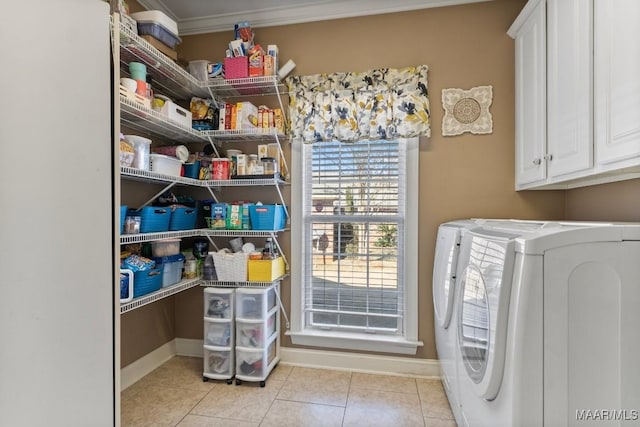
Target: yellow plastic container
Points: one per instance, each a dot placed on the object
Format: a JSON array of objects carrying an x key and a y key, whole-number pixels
[{"x": 266, "y": 270}]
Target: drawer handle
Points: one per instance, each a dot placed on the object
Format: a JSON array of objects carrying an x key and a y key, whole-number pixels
[
  {"x": 536, "y": 162},
  {"x": 549, "y": 157}
]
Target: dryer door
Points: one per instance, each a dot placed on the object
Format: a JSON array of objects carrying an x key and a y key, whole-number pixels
[
  {"x": 444, "y": 271},
  {"x": 484, "y": 293}
]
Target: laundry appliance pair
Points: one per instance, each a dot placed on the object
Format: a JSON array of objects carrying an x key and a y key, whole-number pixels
[{"x": 537, "y": 321}]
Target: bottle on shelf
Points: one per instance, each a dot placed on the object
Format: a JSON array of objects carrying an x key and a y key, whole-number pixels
[
  {"x": 209, "y": 269},
  {"x": 270, "y": 250}
]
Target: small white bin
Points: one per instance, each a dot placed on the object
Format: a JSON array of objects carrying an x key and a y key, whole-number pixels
[
  {"x": 165, "y": 165},
  {"x": 218, "y": 363},
  {"x": 176, "y": 114},
  {"x": 218, "y": 303},
  {"x": 255, "y": 303},
  {"x": 255, "y": 333},
  {"x": 218, "y": 333},
  {"x": 253, "y": 364}
]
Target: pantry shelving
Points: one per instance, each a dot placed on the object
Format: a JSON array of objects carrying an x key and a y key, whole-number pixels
[
  {"x": 170, "y": 79},
  {"x": 159, "y": 294}
]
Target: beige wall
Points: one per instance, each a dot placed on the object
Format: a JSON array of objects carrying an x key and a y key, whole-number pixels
[
  {"x": 460, "y": 177},
  {"x": 619, "y": 201}
]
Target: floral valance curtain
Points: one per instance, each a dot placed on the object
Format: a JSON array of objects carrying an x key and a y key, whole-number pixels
[{"x": 384, "y": 103}]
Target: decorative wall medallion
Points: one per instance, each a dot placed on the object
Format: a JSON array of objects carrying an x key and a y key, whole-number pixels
[{"x": 467, "y": 111}]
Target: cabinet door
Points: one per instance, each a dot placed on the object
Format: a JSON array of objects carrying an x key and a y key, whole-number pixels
[
  {"x": 530, "y": 98},
  {"x": 617, "y": 80},
  {"x": 569, "y": 86}
]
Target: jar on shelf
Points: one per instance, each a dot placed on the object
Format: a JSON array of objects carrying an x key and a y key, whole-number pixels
[{"x": 270, "y": 166}]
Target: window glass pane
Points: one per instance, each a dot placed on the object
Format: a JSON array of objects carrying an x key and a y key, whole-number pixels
[{"x": 354, "y": 218}]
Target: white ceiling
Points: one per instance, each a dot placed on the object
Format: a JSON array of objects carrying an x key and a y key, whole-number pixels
[{"x": 206, "y": 16}]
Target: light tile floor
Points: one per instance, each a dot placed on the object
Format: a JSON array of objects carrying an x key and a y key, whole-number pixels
[{"x": 175, "y": 395}]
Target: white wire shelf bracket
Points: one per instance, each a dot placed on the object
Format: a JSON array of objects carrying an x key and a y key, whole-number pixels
[
  {"x": 258, "y": 134},
  {"x": 159, "y": 294},
  {"x": 240, "y": 233},
  {"x": 139, "y": 117},
  {"x": 150, "y": 237},
  {"x": 153, "y": 177},
  {"x": 167, "y": 76},
  {"x": 227, "y": 284}
]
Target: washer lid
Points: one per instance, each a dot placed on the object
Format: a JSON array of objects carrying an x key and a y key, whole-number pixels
[
  {"x": 444, "y": 273},
  {"x": 484, "y": 292}
]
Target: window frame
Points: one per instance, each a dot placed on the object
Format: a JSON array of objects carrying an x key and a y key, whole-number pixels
[{"x": 407, "y": 343}]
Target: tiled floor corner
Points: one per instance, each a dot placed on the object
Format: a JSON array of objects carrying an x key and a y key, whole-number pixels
[{"x": 175, "y": 395}]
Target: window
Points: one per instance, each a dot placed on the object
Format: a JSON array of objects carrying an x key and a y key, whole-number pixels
[{"x": 354, "y": 269}]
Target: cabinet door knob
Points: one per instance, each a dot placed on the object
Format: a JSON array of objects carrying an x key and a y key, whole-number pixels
[
  {"x": 549, "y": 157},
  {"x": 536, "y": 161}
]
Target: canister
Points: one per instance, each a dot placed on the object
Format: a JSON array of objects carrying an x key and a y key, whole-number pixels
[{"x": 270, "y": 165}]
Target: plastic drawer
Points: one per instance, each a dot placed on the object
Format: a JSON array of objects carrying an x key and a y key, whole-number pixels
[
  {"x": 254, "y": 303},
  {"x": 218, "y": 363},
  {"x": 218, "y": 303},
  {"x": 255, "y": 333},
  {"x": 218, "y": 333},
  {"x": 253, "y": 364}
]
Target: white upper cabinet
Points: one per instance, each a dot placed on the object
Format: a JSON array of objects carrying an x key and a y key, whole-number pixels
[
  {"x": 617, "y": 81},
  {"x": 554, "y": 81},
  {"x": 577, "y": 93},
  {"x": 569, "y": 86},
  {"x": 531, "y": 113}
]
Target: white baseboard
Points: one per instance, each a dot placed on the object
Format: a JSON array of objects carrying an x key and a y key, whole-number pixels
[
  {"x": 360, "y": 362},
  {"x": 147, "y": 363},
  {"x": 355, "y": 362}
]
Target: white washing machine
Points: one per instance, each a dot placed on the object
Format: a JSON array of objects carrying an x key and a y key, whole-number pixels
[
  {"x": 445, "y": 269},
  {"x": 548, "y": 323}
]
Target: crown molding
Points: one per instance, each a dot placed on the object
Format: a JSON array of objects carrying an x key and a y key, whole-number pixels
[{"x": 327, "y": 10}]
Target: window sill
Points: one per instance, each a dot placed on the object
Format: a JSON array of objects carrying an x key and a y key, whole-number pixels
[{"x": 354, "y": 341}]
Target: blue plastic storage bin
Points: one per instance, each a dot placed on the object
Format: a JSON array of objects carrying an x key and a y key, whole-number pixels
[
  {"x": 123, "y": 214},
  {"x": 183, "y": 219},
  {"x": 267, "y": 217},
  {"x": 159, "y": 32},
  {"x": 171, "y": 268},
  {"x": 154, "y": 219},
  {"x": 145, "y": 282}
]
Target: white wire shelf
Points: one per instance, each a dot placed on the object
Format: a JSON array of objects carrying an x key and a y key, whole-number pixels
[
  {"x": 134, "y": 174},
  {"x": 224, "y": 284},
  {"x": 249, "y": 86},
  {"x": 150, "y": 237},
  {"x": 159, "y": 294},
  {"x": 168, "y": 77},
  {"x": 196, "y": 232},
  {"x": 143, "y": 119},
  {"x": 269, "y": 134}
]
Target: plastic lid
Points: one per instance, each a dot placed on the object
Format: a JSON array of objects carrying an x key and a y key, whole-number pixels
[{"x": 169, "y": 259}]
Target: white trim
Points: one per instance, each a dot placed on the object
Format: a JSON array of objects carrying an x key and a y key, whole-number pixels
[
  {"x": 147, "y": 363},
  {"x": 354, "y": 341},
  {"x": 325, "y": 10},
  {"x": 342, "y": 361},
  {"x": 357, "y": 362},
  {"x": 189, "y": 347}
]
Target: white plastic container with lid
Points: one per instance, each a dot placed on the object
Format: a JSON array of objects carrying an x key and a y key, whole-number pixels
[
  {"x": 142, "y": 148},
  {"x": 165, "y": 165},
  {"x": 157, "y": 17}
]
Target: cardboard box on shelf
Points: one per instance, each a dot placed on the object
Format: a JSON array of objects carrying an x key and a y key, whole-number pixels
[
  {"x": 266, "y": 270},
  {"x": 161, "y": 47},
  {"x": 246, "y": 116}
]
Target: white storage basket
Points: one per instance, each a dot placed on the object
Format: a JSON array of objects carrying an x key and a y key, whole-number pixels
[{"x": 231, "y": 267}]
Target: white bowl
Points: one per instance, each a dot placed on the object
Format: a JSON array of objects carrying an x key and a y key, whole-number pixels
[{"x": 129, "y": 84}]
